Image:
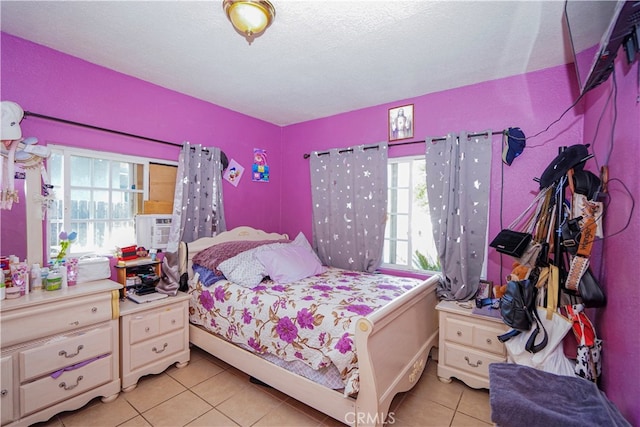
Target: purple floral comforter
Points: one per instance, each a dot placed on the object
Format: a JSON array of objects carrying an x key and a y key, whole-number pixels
[{"x": 312, "y": 320}]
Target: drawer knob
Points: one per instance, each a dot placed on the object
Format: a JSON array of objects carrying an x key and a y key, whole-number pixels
[
  {"x": 76, "y": 323},
  {"x": 173, "y": 321},
  {"x": 164, "y": 347},
  {"x": 94, "y": 309},
  {"x": 459, "y": 333},
  {"x": 70, "y": 387},
  {"x": 147, "y": 329},
  {"x": 478, "y": 363},
  {"x": 69, "y": 356},
  {"x": 489, "y": 341},
  {"x": 4, "y": 392}
]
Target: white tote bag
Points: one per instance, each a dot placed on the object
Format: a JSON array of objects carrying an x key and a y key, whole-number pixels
[{"x": 549, "y": 359}]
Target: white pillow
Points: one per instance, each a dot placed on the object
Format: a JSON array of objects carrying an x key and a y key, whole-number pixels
[
  {"x": 288, "y": 263},
  {"x": 244, "y": 268}
]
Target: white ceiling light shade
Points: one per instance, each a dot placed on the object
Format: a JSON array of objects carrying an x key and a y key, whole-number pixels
[{"x": 249, "y": 17}]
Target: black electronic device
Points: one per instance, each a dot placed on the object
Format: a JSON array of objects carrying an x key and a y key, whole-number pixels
[{"x": 611, "y": 24}]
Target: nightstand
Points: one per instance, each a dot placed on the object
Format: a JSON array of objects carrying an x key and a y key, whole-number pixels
[
  {"x": 153, "y": 335},
  {"x": 468, "y": 343}
]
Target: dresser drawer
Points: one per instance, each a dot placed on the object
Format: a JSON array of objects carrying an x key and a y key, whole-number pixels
[
  {"x": 51, "y": 319},
  {"x": 459, "y": 331},
  {"x": 48, "y": 391},
  {"x": 64, "y": 351},
  {"x": 6, "y": 384},
  {"x": 467, "y": 359},
  {"x": 155, "y": 349}
]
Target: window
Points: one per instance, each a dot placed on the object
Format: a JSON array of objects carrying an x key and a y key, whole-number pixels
[
  {"x": 97, "y": 195},
  {"x": 408, "y": 241}
]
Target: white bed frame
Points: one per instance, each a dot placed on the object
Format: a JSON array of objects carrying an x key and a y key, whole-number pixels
[{"x": 392, "y": 345}]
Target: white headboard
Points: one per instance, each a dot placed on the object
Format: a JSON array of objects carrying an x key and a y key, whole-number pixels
[{"x": 237, "y": 234}]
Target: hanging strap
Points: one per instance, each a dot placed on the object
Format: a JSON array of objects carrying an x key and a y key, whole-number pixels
[{"x": 535, "y": 202}]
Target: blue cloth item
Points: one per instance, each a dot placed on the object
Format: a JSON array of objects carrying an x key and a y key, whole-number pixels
[
  {"x": 207, "y": 277},
  {"x": 514, "y": 143},
  {"x": 524, "y": 396}
]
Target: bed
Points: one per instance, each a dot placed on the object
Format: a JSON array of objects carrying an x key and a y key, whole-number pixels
[{"x": 387, "y": 348}]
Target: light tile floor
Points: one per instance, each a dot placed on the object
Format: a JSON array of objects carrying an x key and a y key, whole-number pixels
[{"x": 209, "y": 392}]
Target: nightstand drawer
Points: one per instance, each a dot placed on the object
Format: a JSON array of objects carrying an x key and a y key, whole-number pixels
[
  {"x": 64, "y": 351},
  {"x": 466, "y": 359},
  {"x": 47, "y": 391},
  {"x": 458, "y": 331},
  {"x": 173, "y": 318},
  {"x": 156, "y": 349},
  {"x": 144, "y": 326},
  {"x": 486, "y": 338}
]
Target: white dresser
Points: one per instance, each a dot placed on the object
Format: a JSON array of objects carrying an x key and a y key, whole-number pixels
[
  {"x": 60, "y": 349},
  {"x": 468, "y": 343},
  {"x": 153, "y": 336}
]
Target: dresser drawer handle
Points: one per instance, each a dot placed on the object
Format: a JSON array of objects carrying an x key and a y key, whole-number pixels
[
  {"x": 71, "y": 387},
  {"x": 94, "y": 309},
  {"x": 489, "y": 341},
  {"x": 164, "y": 347},
  {"x": 173, "y": 321},
  {"x": 147, "y": 329},
  {"x": 69, "y": 356},
  {"x": 76, "y": 323},
  {"x": 478, "y": 363},
  {"x": 4, "y": 392},
  {"x": 459, "y": 333}
]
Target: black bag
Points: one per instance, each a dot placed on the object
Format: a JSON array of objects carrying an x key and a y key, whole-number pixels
[
  {"x": 590, "y": 291},
  {"x": 518, "y": 310},
  {"x": 571, "y": 233},
  {"x": 511, "y": 242},
  {"x": 518, "y": 303}
]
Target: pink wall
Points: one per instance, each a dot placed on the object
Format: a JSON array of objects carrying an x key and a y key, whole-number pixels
[
  {"x": 48, "y": 82},
  {"x": 619, "y": 270},
  {"x": 529, "y": 101}
]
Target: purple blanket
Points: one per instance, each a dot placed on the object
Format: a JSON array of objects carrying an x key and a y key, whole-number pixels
[{"x": 524, "y": 396}]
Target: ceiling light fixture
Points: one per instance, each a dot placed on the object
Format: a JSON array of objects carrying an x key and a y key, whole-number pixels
[{"x": 249, "y": 17}]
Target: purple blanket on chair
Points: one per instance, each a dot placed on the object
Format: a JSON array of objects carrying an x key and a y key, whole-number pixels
[{"x": 524, "y": 396}]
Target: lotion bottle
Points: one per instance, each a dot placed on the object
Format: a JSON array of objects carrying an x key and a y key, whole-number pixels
[{"x": 36, "y": 278}]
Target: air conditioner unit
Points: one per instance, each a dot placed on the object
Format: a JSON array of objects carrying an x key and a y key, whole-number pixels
[{"x": 152, "y": 231}]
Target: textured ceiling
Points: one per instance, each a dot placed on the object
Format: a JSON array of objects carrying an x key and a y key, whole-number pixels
[{"x": 318, "y": 58}]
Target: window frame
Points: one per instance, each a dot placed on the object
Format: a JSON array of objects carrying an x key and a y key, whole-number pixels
[
  {"x": 400, "y": 267},
  {"x": 66, "y": 152}
]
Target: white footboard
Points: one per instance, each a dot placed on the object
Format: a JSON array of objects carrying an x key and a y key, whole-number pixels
[{"x": 393, "y": 345}]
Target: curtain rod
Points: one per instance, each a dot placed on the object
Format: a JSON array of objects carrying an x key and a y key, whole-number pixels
[
  {"x": 69, "y": 122},
  {"x": 442, "y": 138}
]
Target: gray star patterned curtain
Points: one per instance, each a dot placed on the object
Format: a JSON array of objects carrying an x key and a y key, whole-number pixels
[
  {"x": 349, "y": 195},
  {"x": 458, "y": 179}
]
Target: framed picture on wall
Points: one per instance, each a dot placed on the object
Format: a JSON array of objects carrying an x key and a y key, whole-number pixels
[{"x": 401, "y": 122}]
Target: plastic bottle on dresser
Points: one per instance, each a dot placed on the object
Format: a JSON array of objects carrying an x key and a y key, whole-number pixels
[
  {"x": 63, "y": 273},
  {"x": 36, "y": 277}
]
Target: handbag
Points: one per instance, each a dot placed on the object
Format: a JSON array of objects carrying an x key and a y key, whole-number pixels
[
  {"x": 590, "y": 291},
  {"x": 511, "y": 242},
  {"x": 515, "y": 243},
  {"x": 549, "y": 359},
  {"x": 588, "y": 362}
]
